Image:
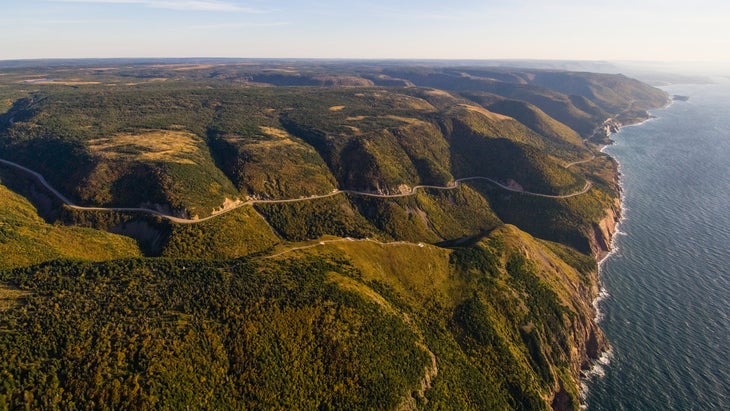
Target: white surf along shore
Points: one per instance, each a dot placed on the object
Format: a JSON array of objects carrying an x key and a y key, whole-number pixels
[{"x": 598, "y": 366}]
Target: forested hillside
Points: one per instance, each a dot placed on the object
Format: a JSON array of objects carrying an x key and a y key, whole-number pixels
[{"x": 315, "y": 235}]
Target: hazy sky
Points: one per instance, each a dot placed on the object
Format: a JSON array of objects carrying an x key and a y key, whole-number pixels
[{"x": 671, "y": 30}]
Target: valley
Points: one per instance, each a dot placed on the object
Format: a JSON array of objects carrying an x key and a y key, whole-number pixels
[{"x": 304, "y": 235}]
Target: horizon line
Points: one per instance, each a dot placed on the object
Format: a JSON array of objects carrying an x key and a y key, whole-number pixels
[{"x": 528, "y": 59}]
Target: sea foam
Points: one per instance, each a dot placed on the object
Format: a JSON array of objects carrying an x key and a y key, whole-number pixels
[{"x": 597, "y": 370}]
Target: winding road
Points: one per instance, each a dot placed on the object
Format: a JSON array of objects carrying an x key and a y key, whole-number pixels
[
  {"x": 593, "y": 157},
  {"x": 333, "y": 193}
]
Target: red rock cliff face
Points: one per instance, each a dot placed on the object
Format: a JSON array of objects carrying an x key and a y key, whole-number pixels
[
  {"x": 587, "y": 345},
  {"x": 589, "y": 341},
  {"x": 604, "y": 230}
]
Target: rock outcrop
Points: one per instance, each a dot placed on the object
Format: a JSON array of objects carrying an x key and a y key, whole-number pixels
[{"x": 604, "y": 230}]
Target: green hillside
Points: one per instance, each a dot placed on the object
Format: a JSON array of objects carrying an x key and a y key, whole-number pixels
[
  {"x": 567, "y": 141},
  {"x": 356, "y": 325},
  {"x": 192, "y": 150},
  {"x": 316, "y": 235},
  {"x": 25, "y": 238},
  {"x": 579, "y": 100},
  {"x": 235, "y": 234}
]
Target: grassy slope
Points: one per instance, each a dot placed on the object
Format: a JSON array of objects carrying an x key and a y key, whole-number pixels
[
  {"x": 267, "y": 143},
  {"x": 506, "y": 309},
  {"x": 578, "y": 100},
  {"x": 431, "y": 216},
  {"x": 569, "y": 221},
  {"x": 276, "y": 165},
  {"x": 26, "y": 239},
  {"x": 479, "y": 152},
  {"x": 354, "y": 323},
  {"x": 256, "y": 153},
  {"x": 609, "y": 92},
  {"x": 314, "y": 218},
  {"x": 374, "y": 140},
  {"x": 566, "y": 143},
  {"x": 235, "y": 234}
]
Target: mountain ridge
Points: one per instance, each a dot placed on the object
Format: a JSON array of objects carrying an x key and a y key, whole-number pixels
[{"x": 348, "y": 187}]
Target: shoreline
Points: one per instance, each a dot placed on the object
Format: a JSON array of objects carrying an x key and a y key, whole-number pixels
[{"x": 598, "y": 366}]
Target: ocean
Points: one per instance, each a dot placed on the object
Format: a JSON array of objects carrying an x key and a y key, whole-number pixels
[{"x": 666, "y": 310}]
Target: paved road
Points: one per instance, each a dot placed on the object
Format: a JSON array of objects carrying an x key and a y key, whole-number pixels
[
  {"x": 180, "y": 220},
  {"x": 593, "y": 157}
]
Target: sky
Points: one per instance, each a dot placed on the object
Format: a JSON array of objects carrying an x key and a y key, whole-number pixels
[{"x": 617, "y": 30}]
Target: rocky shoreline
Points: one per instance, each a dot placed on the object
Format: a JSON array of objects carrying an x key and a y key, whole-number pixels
[{"x": 596, "y": 345}]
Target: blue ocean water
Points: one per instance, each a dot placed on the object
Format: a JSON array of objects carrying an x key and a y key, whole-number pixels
[{"x": 667, "y": 314}]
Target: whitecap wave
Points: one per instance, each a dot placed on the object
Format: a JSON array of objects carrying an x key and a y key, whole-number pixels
[
  {"x": 598, "y": 367},
  {"x": 602, "y": 295},
  {"x": 614, "y": 250},
  {"x": 597, "y": 370}
]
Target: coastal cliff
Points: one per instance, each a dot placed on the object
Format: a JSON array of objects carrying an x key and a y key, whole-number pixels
[
  {"x": 604, "y": 230},
  {"x": 361, "y": 277},
  {"x": 601, "y": 237},
  {"x": 589, "y": 342}
]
